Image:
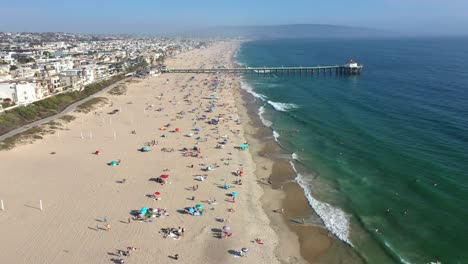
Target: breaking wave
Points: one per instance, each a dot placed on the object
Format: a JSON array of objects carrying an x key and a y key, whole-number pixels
[
  {"x": 266, "y": 122},
  {"x": 335, "y": 220},
  {"x": 282, "y": 107},
  {"x": 250, "y": 90}
]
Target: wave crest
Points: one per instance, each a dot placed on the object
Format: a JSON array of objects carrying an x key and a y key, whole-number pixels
[{"x": 282, "y": 107}]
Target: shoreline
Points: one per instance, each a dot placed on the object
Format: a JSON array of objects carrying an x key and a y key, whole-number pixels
[{"x": 311, "y": 241}]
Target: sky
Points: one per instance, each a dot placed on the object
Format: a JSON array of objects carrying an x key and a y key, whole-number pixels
[{"x": 159, "y": 17}]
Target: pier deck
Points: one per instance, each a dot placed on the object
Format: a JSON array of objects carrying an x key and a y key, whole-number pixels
[{"x": 335, "y": 69}]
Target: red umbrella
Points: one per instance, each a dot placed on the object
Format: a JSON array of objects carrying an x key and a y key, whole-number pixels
[
  {"x": 177, "y": 130},
  {"x": 157, "y": 193},
  {"x": 164, "y": 176}
]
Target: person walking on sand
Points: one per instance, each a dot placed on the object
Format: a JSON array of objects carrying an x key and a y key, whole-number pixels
[
  {"x": 128, "y": 221},
  {"x": 176, "y": 256},
  {"x": 105, "y": 219},
  {"x": 98, "y": 227},
  {"x": 108, "y": 227}
]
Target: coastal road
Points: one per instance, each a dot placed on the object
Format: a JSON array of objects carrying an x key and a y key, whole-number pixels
[{"x": 67, "y": 110}]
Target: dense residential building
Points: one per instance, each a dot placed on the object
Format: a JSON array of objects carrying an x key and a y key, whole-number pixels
[{"x": 36, "y": 65}]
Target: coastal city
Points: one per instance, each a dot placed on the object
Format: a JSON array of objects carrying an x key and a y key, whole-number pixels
[
  {"x": 233, "y": 132},
  {"x": 34, "y": 66}
]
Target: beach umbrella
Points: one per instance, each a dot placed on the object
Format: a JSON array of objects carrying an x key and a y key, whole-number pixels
[
  {"x": 157, "y": 193},
  {"x": 234, "y": 194},
  {"x": 199, "y": 207},
  {"x": 177, "y": 130},
  {"x": 191, "y": 210},
  {"x": 226, "y": 228},
  {"x": 198, "y": 129},
  {"x": 226, "y": 186},
  {"x": 164, "y": 176},
  {"x": 245, "y": 250},
  {"x": 190, "y": 134},
  {"x": 143, "y": 210},
  {"x": 113, "y": 163}
]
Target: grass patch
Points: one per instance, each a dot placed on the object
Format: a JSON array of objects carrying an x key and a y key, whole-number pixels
[
  {"x": 91, "y": 105},
  {"x": 118, "y": 90},
  {"x": 27, "y": 136},
  {"x": 67, "y": 118}
]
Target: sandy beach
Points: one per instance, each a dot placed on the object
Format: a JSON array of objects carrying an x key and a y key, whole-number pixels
[{"x": 81, "y": 193}]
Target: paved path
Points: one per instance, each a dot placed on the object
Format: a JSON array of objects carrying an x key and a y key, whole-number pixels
[{"x": 67, "y": 110}]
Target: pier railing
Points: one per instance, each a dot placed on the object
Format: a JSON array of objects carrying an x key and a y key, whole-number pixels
[{"x": 315, "y": 70}]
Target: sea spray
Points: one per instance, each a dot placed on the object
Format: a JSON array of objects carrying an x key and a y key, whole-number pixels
[{"x": 334, "y": 219}]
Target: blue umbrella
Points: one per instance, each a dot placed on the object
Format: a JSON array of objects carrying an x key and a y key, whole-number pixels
[{"x": 234, "y": 194}]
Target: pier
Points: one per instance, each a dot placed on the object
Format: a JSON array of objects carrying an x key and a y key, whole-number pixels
[{"x": 350, "y": 68}]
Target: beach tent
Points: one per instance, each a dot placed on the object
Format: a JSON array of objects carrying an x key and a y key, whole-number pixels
[
  {"x": 145, "y": 149},
  {"x": 244, "y": 146}
]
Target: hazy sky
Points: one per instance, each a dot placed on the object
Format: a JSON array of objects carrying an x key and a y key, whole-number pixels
[{"x": 154, "y": 16}]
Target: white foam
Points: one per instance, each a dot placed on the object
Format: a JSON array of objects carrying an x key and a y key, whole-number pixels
[
  {"x": 266, "y": 122},
  {"x": 276, "y": 135},
  {"x": 282, "y": 107},
  {"x": 334, "y": 219},
  {"x": 294, "y": 157},
  {"x": 250, "y": 90}
]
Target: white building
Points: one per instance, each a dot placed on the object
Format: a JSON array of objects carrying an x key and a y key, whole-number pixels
[
  {"x": 351, "y": 64},
  {"x": 22, "y": 93}
]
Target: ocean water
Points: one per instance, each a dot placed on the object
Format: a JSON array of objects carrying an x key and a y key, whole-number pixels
[{"x": 383, "y": 156}]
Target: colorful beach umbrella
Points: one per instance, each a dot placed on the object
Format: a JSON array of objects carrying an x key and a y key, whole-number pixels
[
  {"x": 164, "y": 176},
  {"x": 234, "y": 193},
  {"x": 157, "y": 193},
  {"x": 245, "y": 250},
  {"x": 199, "y": 206}
]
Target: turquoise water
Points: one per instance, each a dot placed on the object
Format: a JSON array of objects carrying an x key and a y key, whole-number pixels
[{"x": 383, "y": 155}]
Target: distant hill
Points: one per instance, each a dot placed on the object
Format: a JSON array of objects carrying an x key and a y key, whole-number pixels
[{"x": 285, "y": 31}]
